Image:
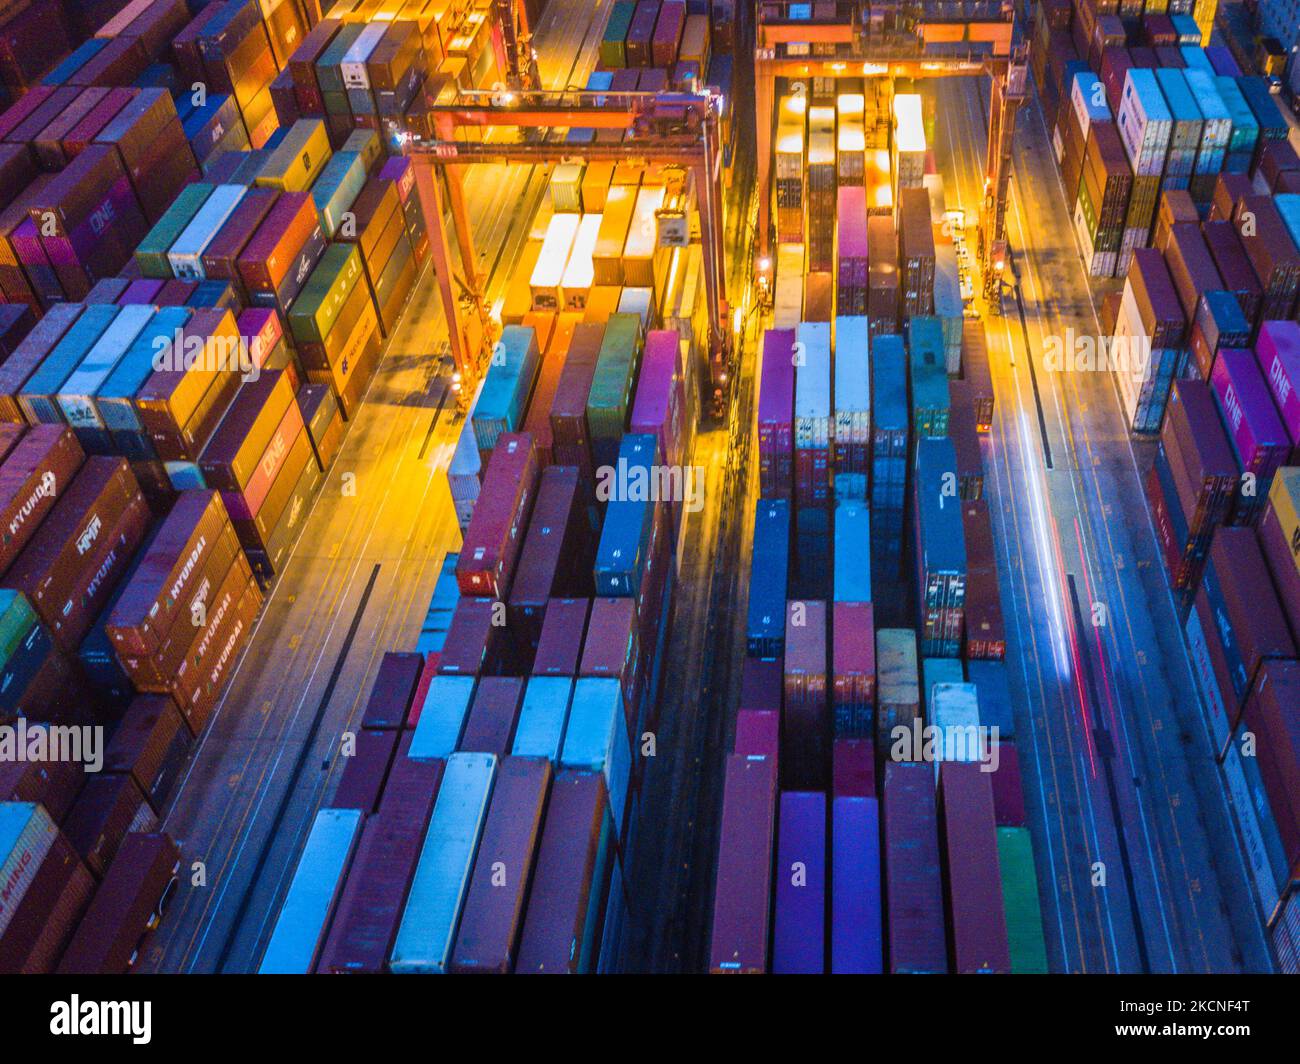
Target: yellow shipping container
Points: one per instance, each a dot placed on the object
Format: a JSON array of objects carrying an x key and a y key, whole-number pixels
[
  {"x": 519, "y": 296},
  {"x": 642, "y": 239},
  {"x": 595, "y": 185},
  {"x": 602, "y": 302},
  {"x": 566, "y": 187},
  {"x": 1284, "y": 498},
  {"x": 607, "y": 256},
  {"x": 299, "y": 159}
]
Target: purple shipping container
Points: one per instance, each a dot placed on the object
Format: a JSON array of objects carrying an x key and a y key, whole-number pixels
[
  {"x": 560, "y": 648},
  {"x": 492, "y": 918},
  {"x": 471, "y": 645},
  {"x": 742, "y": 891},
  {"x": 758, "y": 733},
  {"x": 493, "y": 714},
  {"x": 660, "y": 406},
  {"x": 567, "y": 898},
  {"x": 1257, "y": 435},
  {"x": 776, "y": 415},
  {"x": 979, "y": 927},
  {"x": 761, "y": 684},
  {"x": 853, "y": 771},
  {"x": 1278, "y": 352},
  {"x": 798, "y": 936},
  {"x": 913, "y": 884},
  {"x": 856, "y": 947},
  {"x": 390, "y": 697},
  {"x": 370, "y": 908},
  {"x": 364, "y": 771}
]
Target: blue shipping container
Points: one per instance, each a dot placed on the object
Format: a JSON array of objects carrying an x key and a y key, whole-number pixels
[
  {"x": 629, "y": 519},
  {"x": 856, "y": 936},
  {"x": 799, "y": 934},
  {"x": 765, "y": 625}
]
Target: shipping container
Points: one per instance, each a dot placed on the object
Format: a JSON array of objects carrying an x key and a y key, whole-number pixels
[
  {"x": 742, "y": 900},
  {"x": 799, "y": 918},
  {"x": 977, "y": 919},
  {"x": 916, "y": 929}
]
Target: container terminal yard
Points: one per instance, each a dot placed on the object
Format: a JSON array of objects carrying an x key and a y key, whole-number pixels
[{"x": 648, "y": 486}]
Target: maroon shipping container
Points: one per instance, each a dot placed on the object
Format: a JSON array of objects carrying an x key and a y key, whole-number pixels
[
  {"x": 1273, "y": 714},
  {"x": 1271, "y": 252},
  {"x": 390, "y": 697},
  {"x": 43, "y": 921},
  {"x": 41, "y": 114},
  {"x": 110, "y": 807},
  {"x": 668, "y": 33},
  {"x": 913, "y": 885},
  {"x": 1228, "y": 189},
  {"x": 978, "y": 922},
  {"x": 221, "y": 256},
  {"x": 493, "y": 913},
  {"x": 853, "y": 664},
  {"x": 1157, "y": 301},
  {"x": 83, "y": 134},
  {"x": 496, "y": 531},
  {"x": 370, "y": 908},
  {"x": 613, "y": 650},
  {"x": 569, "y": 879},
  {"x": 776, "y": 392},
  {"x": 123, "y": 910},
  {"x": 563, "y": 631},
  {"x": 12, "y": 117},
  {"x": 48, "y": 143},
  {"x": 882, "y": 295},
  {"x": 150, "y": 744},
  {"x": 761, "y": 684},
  {"x": 86, "y": 542},
  {"x": 1233, "y": 266},
  {"x": 365, "y": 769},
  {"x": 742, "y": 899},
  {"x": 34, "y": 477},
  {"x": 493, "y": 715},
  {"x": 218, "y": 650},
  {"x": 473, "y": 645},
  {"x": 54, "y": 784},
  {"x": 1176, "y": 206},
  {"x": 805, "y": 726},
  {"x": 1191, "y": 266},
  {"x": 557, "y": 555},
  {"x": 1200, "y": 457},
  {"x": 156, "y": 597},
  {"x": 758, "y": 733},
  {"x": 1008, "y": 795},
  {"x": 640, "y": 34},
  {"x": 853, "y": 773},
  {"x": 273, "y": 249},
  {"x": 570, "y": 441}
]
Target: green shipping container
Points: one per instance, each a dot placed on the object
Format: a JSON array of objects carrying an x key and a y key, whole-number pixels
[
  {"x": 1020, "y": 900},
  {"x": 611, "y": 388},
  {"x": 16, "y": 617},
  {"x": 613, "y": 52},
  {"x": 327, "y": 289},
  {"x": 329, "y": 70},
  {"x": 151, "y": 253}
]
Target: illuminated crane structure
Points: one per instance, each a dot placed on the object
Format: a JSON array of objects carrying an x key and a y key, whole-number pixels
[{"x": 911, "y": 39}]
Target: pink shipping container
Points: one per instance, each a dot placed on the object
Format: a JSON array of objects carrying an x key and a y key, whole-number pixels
[
  {"x": 804, "y": 735},
  {"x": 913, "y": 882},
  {"x": 495, "y": 534},
  {"x": 853, "y": 667},
  {"x": 758, "y": 733},
  {"x": 1260, "y": 441},
  {"x": 1278, "y": 352},
  {"x": 742, "y": 900},
  {"x": 979, "y": 928},
  {"x": 660, "y": 406},
  {"x": 852, "y": 267},
  {"x": 853, "y": 772},
  {"x": 776, "y": 415}
]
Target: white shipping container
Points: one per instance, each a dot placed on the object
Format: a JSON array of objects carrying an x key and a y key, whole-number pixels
[
  {"x": 948, "y": 306},
  {"x": 954, "y": 711},
  {"x": 638, "y": 301},
  {"x": 542, "y": 717},
  {"x": 433, "y": 906},
  {"x": 1145, "y": 123},
  {"x": 26, "y": 835},
  {"x": 313, "y": 893},
  {"x": 575, "y": 286},
  {"x": 852, "y": 382},
  {"x": 353, "y": 67},
  {"x": 77, "y": 396},
  {"x": 909, "y": 140},
  {"x": 442, "y": 717},
  {"x": 642, "y": 239},
  {"x": 812, "y": 394},
  {"x": 186, "y": 255},
  {"x": 463, "y": 474},
  {"x": 850, "y": 139},
  {"x": 561, "y": 232},
  {"x": 1088, "y": 97}
]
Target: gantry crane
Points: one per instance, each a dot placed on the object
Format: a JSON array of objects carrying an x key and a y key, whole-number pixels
[
  {"x": 676, "y": 129},
  {"x": 920, "y": 39}
]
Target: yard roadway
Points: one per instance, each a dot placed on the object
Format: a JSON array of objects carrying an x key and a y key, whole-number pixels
[
  {"x": 358, "y": 585},
  {"x": 1137, "y": 860}
]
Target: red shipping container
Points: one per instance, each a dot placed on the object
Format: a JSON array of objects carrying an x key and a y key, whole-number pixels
[
  {"x": 1273, "y": 714},
  {"x": 742, "y": 900},
  {"x": 41, "y": 924},
  {"x": 1008, "y": 794},
  {"x": 495, "y": 534},
  {"x": 613, "y": 650},
  {"x": 853, "y": 773},
  {"x": 913, "y": 883},
  {"x": 979, "y": 929},
  {"x": 34, "y": 476},
  {"x": 54, "y": 784},
  {"x": 473, "y": 642},
  {"x": 150, "y": 744},
  {"x": 110, "y": 808},
  {"x": 571, "y": 443}
]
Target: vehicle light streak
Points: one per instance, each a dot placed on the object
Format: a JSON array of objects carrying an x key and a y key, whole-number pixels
[{"x": 1050, "y": 584}]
